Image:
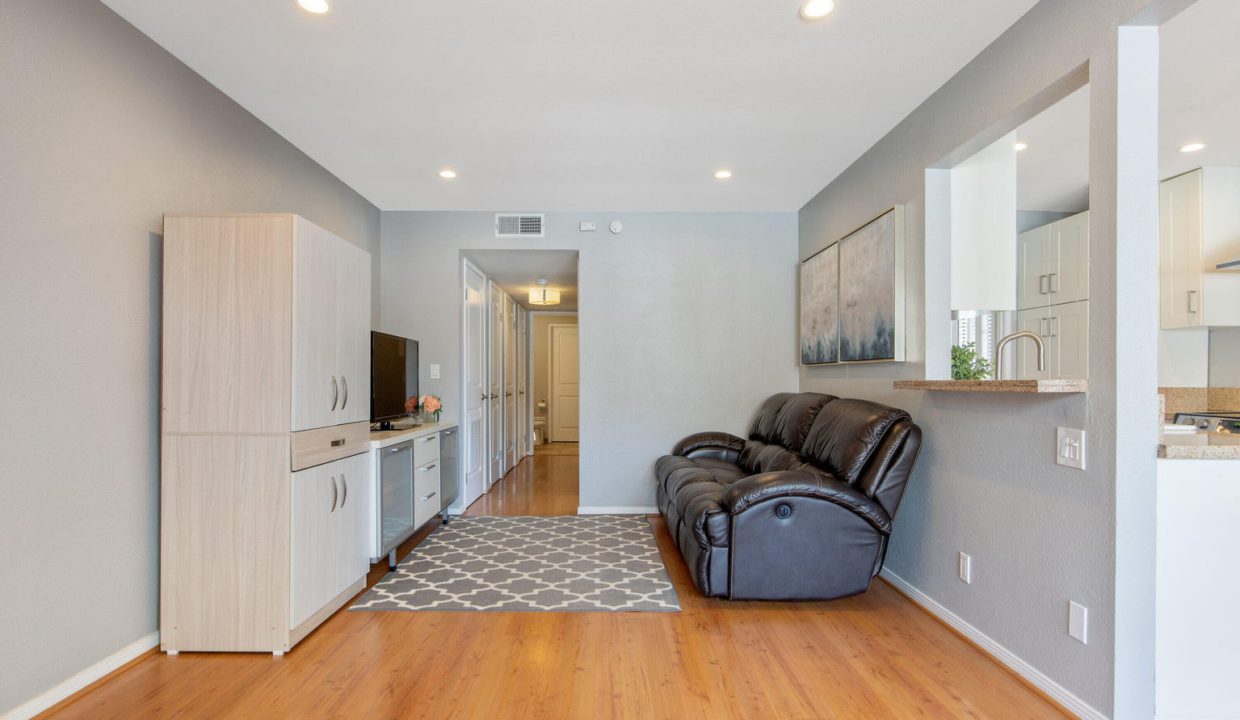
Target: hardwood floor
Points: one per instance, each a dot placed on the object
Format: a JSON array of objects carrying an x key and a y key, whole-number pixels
[{"x": 873, "y": 656}]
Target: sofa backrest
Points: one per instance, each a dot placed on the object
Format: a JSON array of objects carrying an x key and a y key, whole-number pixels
[
  {"x": 846, "y": 434},
  {"x": 785, "y": 419}
]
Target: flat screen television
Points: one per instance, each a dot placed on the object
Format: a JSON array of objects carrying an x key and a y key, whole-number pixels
[{"x": 393, "y": 376}]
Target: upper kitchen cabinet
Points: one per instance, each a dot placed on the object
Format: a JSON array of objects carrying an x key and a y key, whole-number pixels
[
  {"x": 1053, "y": 263},
  {"x": 1199, "y": 228}
]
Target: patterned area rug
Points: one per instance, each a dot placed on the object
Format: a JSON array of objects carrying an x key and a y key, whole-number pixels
[{"x": 564, "y": 563}]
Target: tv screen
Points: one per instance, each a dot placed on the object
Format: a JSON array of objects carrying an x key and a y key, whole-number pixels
[{"x": 393, "y": 375}]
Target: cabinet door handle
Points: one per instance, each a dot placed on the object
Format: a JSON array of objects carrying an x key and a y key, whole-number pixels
[
  {"x": 335, "y": 392},
  {"x": 345, "y": 382},
  {"x": 1043, "y": 284},
  {"x": 1193, "y": 305},
  {"x": 428, "y": 468},
  {"x": 339, "y": 442},
  {"x": 428, "y": 497},
  {"x": 428, "y": 438},
  {"x": 335, "y": 494},
  {"x": 1054, "y": 282},
  {"x": 344, "y": 484},
  {"x": 1042, "y": 327}
]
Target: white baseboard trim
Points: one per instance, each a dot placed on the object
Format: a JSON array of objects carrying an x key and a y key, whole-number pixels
[
  {"x": 1059, "y": 693},
  {"x": 38, "y": 704},
  {"x": 617, "y": 510}
]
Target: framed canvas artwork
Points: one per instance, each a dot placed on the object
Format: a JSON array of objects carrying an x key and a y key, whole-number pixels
[
  {"x": 871, "y": 291},
  {"x": 820, "y": 317}
]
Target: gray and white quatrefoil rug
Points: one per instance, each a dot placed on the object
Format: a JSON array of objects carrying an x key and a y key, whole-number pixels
[{"x": 564, "y": 563}]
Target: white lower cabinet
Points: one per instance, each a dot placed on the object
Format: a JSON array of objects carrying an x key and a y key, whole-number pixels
[
  {"x": 328, "y": 547},
  {"x": 1064, "y": 330}
]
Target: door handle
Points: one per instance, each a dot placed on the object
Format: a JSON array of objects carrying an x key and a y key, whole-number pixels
[
  {"x": 345, "y": 382},
  {"x": 428, "y": 497},
  {"x": 1054, "y": 282},
  {"x": 394, "y": 450},
  {"x": 335, "y": 392},
  {"x": 507, "y": 394},
  {"x": 428, "y": 468},
  {"x": 1043, "y": 330},
  {"x": 1193, "y": 305},
  {"x": 335, "y": 494},
  {"x": 428, "y": 438},
  {"x": 1043, "y": 284},
  {"x": 339, "y": 442},
  {"x": 344, "y": 484}
]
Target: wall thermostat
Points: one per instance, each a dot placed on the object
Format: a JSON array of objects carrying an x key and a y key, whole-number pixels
[{"x": 616, "y": 227}]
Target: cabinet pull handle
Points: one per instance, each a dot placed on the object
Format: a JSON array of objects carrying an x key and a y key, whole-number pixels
[
  {"x": 1043, "y": 284},
  {"x": 335, "y": 493},
  {"x": 428, "y": 497},
  {"x": 394, "y": 450},
  {"x": 335, "y": 392},
  {"x": 344, "y": 484},
  {"x": 1042, "y": 331},
  {"x": 1192, "y": 301},
  {"x": 345, "y": 382},
  {"x": 428, "y": 468},
  {"x": 1054, "y": 282},
  {"x": 428, "y": 438},
  {"x": 338, "y": 443}
]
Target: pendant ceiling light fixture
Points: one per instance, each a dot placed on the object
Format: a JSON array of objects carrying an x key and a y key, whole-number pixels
[{"x": 543, "y": 295}]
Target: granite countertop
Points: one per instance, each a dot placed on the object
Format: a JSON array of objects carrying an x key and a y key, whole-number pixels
[
  {"x": 1201, "y": 445},
  {"x": 995, "y": 386}
]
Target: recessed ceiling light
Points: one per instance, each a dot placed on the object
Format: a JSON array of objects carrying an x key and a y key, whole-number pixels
[
  {"x": 1193, "y": 147},
  {"x": 1020, "y": 146},
  {"x": 318, "y": 7},
  {"x": 723, "y": 174},
  {"x": 447, "y": 174},
  {"x": 817, "y": 9}
]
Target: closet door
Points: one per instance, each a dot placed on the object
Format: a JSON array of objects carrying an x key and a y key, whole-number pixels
[
  {"x": 1069, "y": 260},
  {"x": 353, "y": 332},
  {"x": 495, "y": 378},
  {"x": 316, "y": 386},
  {"x": 523, "y": 409},
  {"x": 510, "y": 382}
]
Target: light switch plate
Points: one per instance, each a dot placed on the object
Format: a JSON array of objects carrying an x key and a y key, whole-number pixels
[
  {"x": 1078, "y": 622},
  {"x": 1070, "y": 447},
  {"x": 966, "y": 568},
  {"x": 434, "y": 371}
]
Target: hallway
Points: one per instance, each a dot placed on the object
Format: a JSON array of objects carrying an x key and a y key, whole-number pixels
[{"x": 542, "y": 484}]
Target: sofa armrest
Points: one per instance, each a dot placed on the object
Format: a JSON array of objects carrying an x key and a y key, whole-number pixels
[
  {"x": 746, "y": 492},
  {"x": 721, "y": 445}
]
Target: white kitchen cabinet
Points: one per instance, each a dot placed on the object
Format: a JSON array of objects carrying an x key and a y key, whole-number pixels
[
  {"x": 1053, "y": 263},
  {"x": 1064, "y": 330},
  {"x": 1199, "y": 228},
  {"x": 353, "y": 333},
  {"x": 329, "y": 551}
]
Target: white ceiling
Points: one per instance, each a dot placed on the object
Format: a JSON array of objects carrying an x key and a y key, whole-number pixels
[
  {"x": 517, "y": 272},
  {"x": 1199, "y": 87},
  {"x": 578, "y": 104},
  {"x": 1052, "y": 173}
]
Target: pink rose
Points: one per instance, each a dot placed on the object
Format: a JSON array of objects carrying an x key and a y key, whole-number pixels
[{"x": 411, "y": 405}]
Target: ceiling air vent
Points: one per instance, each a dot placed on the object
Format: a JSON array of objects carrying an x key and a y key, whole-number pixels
[{"x": 518, "y": 226}]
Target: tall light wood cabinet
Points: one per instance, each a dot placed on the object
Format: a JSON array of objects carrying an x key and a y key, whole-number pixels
[
  {"x": 265, "y": 322},
  {"x": 1199, "y": 228}
]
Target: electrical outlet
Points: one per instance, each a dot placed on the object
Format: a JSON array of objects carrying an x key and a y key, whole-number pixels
[
  {"x": 434, "y": 371},
  {"x": 1070, "y": 447},
  {"x": 587, "y": 226},
  {"x": 1078, "y": 622},
  {"x": 966, "y": 568}
]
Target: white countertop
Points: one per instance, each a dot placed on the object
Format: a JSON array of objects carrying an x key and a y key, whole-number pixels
[
  {"x": 1199, "y": 446},
  {"x": 384, "y": 438}
]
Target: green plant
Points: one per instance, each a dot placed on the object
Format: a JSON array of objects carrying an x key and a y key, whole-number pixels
[{"x": 968, "y": 365}]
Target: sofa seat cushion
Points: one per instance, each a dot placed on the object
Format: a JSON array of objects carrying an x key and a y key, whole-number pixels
[{"x": 758, "y": 457}]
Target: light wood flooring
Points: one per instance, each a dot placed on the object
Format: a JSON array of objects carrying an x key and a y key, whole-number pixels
[{"x": 873, "y": 656}]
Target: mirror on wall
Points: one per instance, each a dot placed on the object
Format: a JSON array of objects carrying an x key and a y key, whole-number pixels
[{"x": 1020, "y": 250}]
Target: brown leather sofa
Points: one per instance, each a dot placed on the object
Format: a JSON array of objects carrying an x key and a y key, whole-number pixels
[{"x": 801, "y": 510}]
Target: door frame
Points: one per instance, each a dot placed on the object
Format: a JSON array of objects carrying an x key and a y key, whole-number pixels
[{"x": 551, "y": 372}]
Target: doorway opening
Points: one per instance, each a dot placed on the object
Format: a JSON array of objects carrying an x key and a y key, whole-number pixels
[{"x": 520, "y": 377}]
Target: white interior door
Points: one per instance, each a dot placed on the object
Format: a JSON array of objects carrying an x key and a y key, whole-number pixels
[
  {"x": 474, "y": 373},
  {"x": 495, "y": 382},
  {"x": 523, "y": 409},
  {"x": 565, "y": 384},
  {"x": 510, "y": 382}
]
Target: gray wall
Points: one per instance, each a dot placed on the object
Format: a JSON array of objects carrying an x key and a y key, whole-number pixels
[
  {"x": 1225, "y": 359},
  {"x": 1040, "y": 535},
  {"x": 103, "y": 132},
  {"x": 687, "y": 323}
]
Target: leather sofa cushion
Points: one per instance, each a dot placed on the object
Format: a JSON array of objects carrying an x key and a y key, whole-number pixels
[
  {"x": 796, "y": 416},
  {"x": 846, "y": 433},
  {"x": 692, "y": 489},
  {"x": 763, "y": 428},
  {"x": 758, "y": 457}
]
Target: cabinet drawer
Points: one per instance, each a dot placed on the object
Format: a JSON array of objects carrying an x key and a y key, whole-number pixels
[
  {"x": 426, "y": 491},
  {"x": 323, "y": 445},
  {"x": 425, "y": 450}
]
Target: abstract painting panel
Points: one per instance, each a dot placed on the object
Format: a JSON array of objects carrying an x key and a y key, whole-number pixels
[
  {"x": 820, "y": 276},
  {"x": 871, "y": 291}
]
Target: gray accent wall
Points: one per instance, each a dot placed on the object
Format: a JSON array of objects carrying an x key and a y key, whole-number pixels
[
  {"x": 103, "y": 132},
  {"x": 687, "y": 322},
  {"x": 986, "y": 484}
]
